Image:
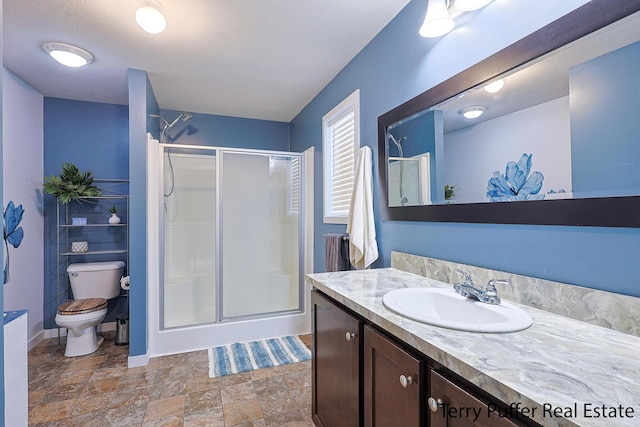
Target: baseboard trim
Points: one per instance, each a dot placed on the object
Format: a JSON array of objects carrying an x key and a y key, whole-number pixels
[
  {"x": 136, "y": 361},
  {"x": 34, "y": 341},
  {"x": 53, "y": 333}
]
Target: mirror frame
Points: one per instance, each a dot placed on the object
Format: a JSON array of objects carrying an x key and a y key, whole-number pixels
[{"x": 598, "y": 212}]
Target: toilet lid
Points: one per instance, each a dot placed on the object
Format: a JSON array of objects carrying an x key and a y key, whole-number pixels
[{"x": 80, "y": 306}]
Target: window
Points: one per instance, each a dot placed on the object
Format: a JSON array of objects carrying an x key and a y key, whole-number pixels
[
  {"x": 340, "y": 142},
  {"x": 295, "y": 185}
]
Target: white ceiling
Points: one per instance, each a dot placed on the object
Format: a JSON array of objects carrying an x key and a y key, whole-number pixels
[{"x": 263, "y": 59}]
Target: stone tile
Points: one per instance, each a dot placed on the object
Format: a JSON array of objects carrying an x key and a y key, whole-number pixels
[
  {"x": 241, "y": 412},
  {"x": 90, "y": 403},
  {"x": 259, "y": 374},
  {"x": 63, "y": 392},
  {"x": 50, "y": 411},
  {"x": 298, "y": 379},
  {"x": 127, "y": 415},
  {"x": 75, "y": 377},
  {"x": 237, "y": 393},
  {"x": 86, "y": 362},
  {"x": 100, "y": 390},
  {"x": 296, "y": 367},
  {"x": 130, "y": 396},
  {"x": 201, "y": 401},
  {"x": 104, "y": 385},
  {"x": 234, "y": 379},
  {"x": 163, "y": 408},
  {"x": 212, "y": 417},
  {"x": 269, "y": 385},
  {"x": 110, "y": 372},
  {"x": 288, "y": 419},
  {"x": 92, "y": 419},
  {"x": 168, "y": 388},
  {"x": 202, "y": 383},
  {"x": 276, "y": 403},
  {"x": 173, "y": 421}
]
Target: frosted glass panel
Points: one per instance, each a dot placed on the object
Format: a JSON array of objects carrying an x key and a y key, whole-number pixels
[
  {"x": 189, "y": 234},
  {"x": 260, "y": 217}
]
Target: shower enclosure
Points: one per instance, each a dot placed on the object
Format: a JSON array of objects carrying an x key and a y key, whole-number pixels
[{"x": 229, "y": 237}]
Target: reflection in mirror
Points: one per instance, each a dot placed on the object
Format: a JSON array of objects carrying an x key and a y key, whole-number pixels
[
  {"x": 565, "y": 149},
  {"x": 413, "y": 145},
  {"x": 562, "y": 126}
]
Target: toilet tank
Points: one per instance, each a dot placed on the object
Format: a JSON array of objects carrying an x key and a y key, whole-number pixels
[{"x": 95, "y": 279}]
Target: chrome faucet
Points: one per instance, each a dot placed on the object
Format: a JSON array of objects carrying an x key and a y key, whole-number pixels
[{"x": 488, "y": 295}]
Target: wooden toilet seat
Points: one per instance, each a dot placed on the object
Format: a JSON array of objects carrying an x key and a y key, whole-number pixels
[{"x": 81, "y": 306}]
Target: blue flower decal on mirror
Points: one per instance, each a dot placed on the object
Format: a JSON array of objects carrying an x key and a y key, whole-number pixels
[
  {"x": 12, "y": 231},
  {"x": 516, "y": 183}
]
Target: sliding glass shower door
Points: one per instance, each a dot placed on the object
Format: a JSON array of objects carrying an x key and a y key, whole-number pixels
[
  {"x": 230, "y": 235},
  {"x": 189, "y": 204},
  {"x": 260, "y": 226}
]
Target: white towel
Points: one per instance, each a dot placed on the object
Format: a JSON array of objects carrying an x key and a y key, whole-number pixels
[{"x": 363, "y": 248}]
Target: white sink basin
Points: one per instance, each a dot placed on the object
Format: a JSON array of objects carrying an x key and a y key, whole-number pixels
[{"x": 444, "y": 307}]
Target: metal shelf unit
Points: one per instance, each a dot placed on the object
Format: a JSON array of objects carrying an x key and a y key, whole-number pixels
[{"x": 109, "y": 239}]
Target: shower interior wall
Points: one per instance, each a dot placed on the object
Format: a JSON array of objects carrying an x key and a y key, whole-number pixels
[{"x": 95, "y": 136}]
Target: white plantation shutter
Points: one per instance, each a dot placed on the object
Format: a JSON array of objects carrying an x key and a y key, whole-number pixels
[
  {"x": 295, "y": 185},
  {"x": 340, "y": 128}
]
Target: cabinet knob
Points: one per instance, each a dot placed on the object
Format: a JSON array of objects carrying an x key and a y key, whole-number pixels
[
  {"x": 434, "y": 404},
  {"x": 405, "y": 381},
  {"x": 349, "y": 335}
]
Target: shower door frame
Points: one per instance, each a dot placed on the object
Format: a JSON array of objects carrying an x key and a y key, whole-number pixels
[{"x": 194, "y": 337}]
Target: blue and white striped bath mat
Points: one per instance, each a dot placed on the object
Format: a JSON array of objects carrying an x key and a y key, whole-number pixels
[{"x": 246, "y": 356}]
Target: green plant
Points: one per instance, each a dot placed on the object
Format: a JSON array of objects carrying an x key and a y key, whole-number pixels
[
  {"x": 449, "y": 191},
  {"x": 113, "y": 209},
  {"x": 71, "y": 184}
]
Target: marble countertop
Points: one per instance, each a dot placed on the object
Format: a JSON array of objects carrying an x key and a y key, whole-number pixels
[{"x": 573, "y": 373}]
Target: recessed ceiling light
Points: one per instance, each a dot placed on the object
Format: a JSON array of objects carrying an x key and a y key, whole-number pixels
[
  {"x": 69, "y": 55},
  {"x": 473, "y": 112},
  {"x": 150, "y": 19},
  {"x": 468, "y": 5},
  {"x": 493, "y": 87}
]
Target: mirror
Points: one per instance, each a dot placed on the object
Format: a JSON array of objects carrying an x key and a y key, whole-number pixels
[{"x": 558, "y": 144}]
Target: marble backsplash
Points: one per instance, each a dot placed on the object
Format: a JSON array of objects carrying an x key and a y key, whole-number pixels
[{"x": 610, "y": 310}]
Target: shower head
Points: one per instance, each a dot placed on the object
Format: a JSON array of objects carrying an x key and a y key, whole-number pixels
[
  {"x": 397, "y": 142},
  {"x": 184, "y": 116}
]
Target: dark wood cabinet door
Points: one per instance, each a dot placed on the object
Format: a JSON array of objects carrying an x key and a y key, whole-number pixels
[
  {"x": 335, "y": 365},
  {"x": 392, "y": 383},
  {"x": 456, "y": 407}
]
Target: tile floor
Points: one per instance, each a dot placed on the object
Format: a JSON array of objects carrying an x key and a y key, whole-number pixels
[{"x": 98, "y": 390}]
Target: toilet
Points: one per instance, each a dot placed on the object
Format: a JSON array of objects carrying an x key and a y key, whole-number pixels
[{"x": 92, "y": 283}]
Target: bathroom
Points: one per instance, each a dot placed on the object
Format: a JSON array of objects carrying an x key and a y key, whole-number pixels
[{"x": 41, "y": 132}]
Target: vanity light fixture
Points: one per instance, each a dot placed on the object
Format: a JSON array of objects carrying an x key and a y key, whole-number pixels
[
  {"x": 494, "y": 87},
  {"x": 66, "y": 54},
  {"x": 473, "y": 112},
  {"x": 149, "y": 17},
  {"x": 437, "y": 22},
  {"x": 469, "y": 5}
]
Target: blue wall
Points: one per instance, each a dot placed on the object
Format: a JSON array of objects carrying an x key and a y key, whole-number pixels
[
  {"x": 605, "y": 98},
  {"x": 94, "y": 137},
  {"x": 142, "y": 103},
  {"x": 223, "y": 131},
  {"x": 398, "y": 65}
]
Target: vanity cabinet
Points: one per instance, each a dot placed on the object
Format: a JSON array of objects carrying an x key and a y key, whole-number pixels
[
  {"x": 452, "y": 406},
  {"x": 362, "y": 377},
  {"x": 392, "y": 383},
  {"x": 336, "y": 349}
]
